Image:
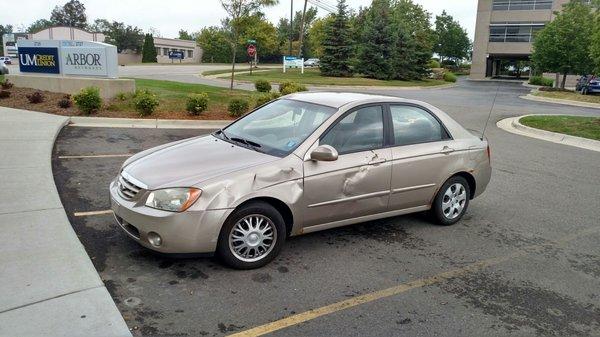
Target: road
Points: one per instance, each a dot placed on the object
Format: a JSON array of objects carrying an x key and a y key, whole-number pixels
[{"x": 524, "y": 261}]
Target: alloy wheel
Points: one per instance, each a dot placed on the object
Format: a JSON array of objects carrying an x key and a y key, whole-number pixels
[
  {"x": 454, "y": 201},
  {"x": 252, "y": 238}
]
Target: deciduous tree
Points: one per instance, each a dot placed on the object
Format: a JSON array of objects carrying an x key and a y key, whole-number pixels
[
  {"x": 452, "y": 41},
  {"x": 71, "y": 14},
  {"x": 563, "y": 46},
  {"x": 237, "y": 11}
]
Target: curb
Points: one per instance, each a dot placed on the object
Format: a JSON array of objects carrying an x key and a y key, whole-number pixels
[
  {"x": 107, "y": 122},
  {"x": 376, "y": 87},
  {"x": 531, "y": 97},
  {"x": 50, "y": 286},
  {"x": 513, "y": 125}
]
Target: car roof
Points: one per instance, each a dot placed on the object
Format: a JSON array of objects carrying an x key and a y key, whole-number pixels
[{"x": 339, "y": 99}]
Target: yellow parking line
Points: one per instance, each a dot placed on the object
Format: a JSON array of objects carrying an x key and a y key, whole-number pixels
[
  {"x": 96, "y": 156},
  {"x": 401, "y": 288},
  {"x": 108, "y": 211}
]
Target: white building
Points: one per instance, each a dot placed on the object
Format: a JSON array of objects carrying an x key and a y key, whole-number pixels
[{"x": 192, "y": 52}]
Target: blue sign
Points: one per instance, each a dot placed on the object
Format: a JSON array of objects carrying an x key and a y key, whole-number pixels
[
  {"x": 176, "y": 54},
  {"x": 291, "y": 58},
  {"x": 39, "y": 60}
]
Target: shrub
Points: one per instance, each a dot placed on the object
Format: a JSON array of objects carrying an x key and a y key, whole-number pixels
[
  {"x": 6, "y": 84},
  {"x": 145, "y": 102},
  {"x": 122, "y": 96},
  {"x": 450, "y": 77},
  {"x": 36, "y": 97},
  {"x": 4, "y": 94},
  {"x": 197, "y": 103},
  {"x": 542, "y": 81},
  {"x": 286, "y": 88},
  {"x": 266, "y": 98},
  {"x": 238, "y": 107},
  {"x": 88, "y": 100},
  {"x": 262, "y": 86},
  {"x": 65, "y": 102},
  {"x": 434, "y": 64}
]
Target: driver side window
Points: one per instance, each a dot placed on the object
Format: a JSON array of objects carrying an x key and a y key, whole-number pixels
[{"x": 361, "y": 130}]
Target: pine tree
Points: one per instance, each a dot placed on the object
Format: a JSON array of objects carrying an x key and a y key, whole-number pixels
[
  {"x": 337, "y": 47},
  {"x": 148, "y": 50},
  {"x": 376, "y": 47}
]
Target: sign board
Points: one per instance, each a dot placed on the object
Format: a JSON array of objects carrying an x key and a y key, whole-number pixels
[
  {"x": 78, "y": 58},
  {"x": 251, "y": 50},
  {"x": 251, "y": 41},
  {"x": 176, "y": 55},
  {"x": 293, "y": 62},
  {"x": 39, "y": 60}
]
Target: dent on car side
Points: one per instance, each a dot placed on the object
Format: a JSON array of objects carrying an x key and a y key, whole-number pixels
[{"x": 287, "y": 179}]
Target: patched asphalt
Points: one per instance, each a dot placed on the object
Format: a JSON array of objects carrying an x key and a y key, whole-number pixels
[{"x": 540, "y": 194}]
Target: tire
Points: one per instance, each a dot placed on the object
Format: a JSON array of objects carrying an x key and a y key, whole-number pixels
[
  {"x": 585, "y": 91},
  {"x": 448, "y": 214},
  {"x": 245, "y": 236}
]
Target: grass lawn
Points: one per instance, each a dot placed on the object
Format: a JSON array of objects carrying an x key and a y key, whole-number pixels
[
  {"x": 573, "y": 96},
  {"x": 172, "y": 97},
  {"x": 1, "y": 78},
  {"x": 586, "y": 127},
  {"x": 313, "y": 76}
]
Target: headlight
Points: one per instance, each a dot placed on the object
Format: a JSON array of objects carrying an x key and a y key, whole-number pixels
[{"x": 173, "y": 199}]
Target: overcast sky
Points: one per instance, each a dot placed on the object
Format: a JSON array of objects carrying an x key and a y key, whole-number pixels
[{"x": 169, "y": 16}]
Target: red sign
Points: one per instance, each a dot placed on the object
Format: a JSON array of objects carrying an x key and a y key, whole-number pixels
[{"x": 251, "y": 50}]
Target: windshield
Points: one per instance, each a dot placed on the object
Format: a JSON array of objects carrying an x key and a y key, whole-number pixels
[{"x": 279, "y": 127}]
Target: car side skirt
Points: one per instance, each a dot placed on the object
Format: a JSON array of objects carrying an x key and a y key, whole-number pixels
[{"x": 365, "y": 218}]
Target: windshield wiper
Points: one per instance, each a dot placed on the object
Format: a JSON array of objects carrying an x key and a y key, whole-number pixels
[{"x": 246, "y": 141}]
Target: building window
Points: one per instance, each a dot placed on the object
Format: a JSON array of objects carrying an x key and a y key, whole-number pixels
[
  {"x": 516, "y": 5},
  {"x": 157, "y": 50},
  {"x": 514, "y": 32},
  {"x": 166, "y": 51},
  {"x": 190, "y": 54}
]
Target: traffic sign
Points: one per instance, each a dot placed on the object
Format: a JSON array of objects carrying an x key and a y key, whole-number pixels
[
  {"x": 251, "y": 50},
  {"x": 250, "y": 41}
]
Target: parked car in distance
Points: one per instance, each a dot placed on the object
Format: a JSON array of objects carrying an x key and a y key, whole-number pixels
[
  {"x": 588, "y": 84},
  {"x": 313, "y": 62},
  {"x": 3, "y": 69},
  {"x": 5, "y": 59},
  {"x": 303, "y": 163}
]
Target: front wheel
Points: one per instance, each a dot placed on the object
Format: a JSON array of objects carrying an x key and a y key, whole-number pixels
[
  {"x": 252, "y": 236},
  {"x": 452, "y": 201}
]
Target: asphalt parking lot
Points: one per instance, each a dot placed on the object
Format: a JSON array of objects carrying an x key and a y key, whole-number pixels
[{"x": 524, "y": 261}]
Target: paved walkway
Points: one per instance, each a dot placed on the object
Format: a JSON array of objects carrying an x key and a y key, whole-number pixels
[{"x": 49, "y": 285}]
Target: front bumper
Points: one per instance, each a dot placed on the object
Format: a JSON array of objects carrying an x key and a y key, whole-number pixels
[{"x": 192, "y": 231}]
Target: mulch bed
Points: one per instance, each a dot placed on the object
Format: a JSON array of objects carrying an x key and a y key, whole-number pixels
[{"x": 18, "y": 100}]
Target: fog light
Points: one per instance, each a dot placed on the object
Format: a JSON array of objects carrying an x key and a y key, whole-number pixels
[{"x": 154, "y": 239}]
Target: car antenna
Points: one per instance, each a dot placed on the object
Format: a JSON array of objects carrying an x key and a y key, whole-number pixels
[{"x": 490, "y": 114}]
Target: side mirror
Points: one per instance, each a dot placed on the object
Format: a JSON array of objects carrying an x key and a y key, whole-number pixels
[{"x": 324, "y": 153}]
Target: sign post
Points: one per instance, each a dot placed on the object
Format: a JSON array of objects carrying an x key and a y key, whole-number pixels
[
  {"x": 176, "y": 55},
  {"x": 293, "y": 62}
]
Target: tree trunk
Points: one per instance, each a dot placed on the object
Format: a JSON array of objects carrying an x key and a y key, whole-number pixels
[
  {"x": 556, "y": 79},
  {"x": 233, "y": 66},
  {"x": 564, "y": 81}
]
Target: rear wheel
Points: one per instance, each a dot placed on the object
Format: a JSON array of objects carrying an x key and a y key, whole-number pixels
[
  {"x": 252, "y": 236},
  {"x": 452, "y": 201}
]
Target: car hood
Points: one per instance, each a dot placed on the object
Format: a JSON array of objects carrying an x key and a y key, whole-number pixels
[{"x": 190, "y": 162}]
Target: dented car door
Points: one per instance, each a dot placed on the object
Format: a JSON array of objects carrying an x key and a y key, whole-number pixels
[{"x": 358, "y": 182}]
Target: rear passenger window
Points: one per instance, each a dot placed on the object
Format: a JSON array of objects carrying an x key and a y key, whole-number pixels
[
  {"x": 413, "y": 125},
  {"x": 360, "y": 130}
]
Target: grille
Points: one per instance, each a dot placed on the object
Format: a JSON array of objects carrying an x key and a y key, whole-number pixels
[{"x": 127, "y": 189}]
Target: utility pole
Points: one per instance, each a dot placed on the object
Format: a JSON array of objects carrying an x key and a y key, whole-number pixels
[
  {"x": 291, "y": 25},
  {"x": 302, "y": 28}
]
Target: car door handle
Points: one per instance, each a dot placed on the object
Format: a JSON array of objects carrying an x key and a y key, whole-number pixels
[
  {"x": 377, "y": 161},
  {"x": 447, "y": 150}
]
